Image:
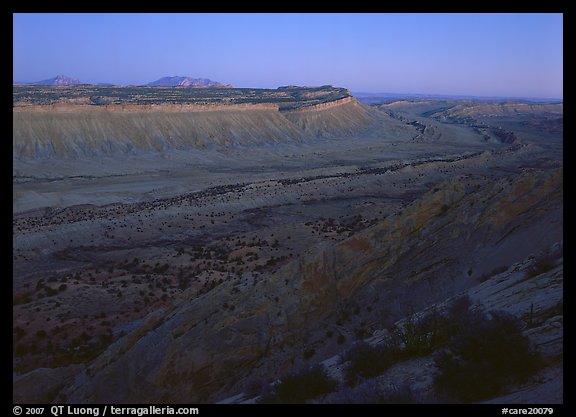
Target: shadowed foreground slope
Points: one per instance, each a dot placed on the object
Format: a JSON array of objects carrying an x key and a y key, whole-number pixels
[{"x": 441, "y": 244}]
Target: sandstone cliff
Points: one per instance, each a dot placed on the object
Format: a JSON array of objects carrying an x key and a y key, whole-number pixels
[
  {"x": 74, "y": 131},
  {"x": 341, "y": 117},
  {"x": 95, "y": 121}
]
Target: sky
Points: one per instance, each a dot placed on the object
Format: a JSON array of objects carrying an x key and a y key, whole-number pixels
[{"x": 500, "y": 55}]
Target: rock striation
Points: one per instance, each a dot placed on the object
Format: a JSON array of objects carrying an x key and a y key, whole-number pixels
[{"x": 84, "y": 126}]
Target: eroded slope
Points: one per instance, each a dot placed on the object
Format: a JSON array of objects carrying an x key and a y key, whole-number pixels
[
  {"x": 75, "y": 123},
  {"x": 198, "y": 351}
]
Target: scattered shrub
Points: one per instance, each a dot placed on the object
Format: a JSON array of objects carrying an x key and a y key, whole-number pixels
[
  {"x": 50, "y": 292},
  {"x": 254, "y": 387},
  {"x": 367, "y": 361},
  {"x": 499, "y": 270},
  {"x": 422, "y": 335},
  {"x": 459, "y": 307},
  {"x": 160, "y": 269},
  {"x": 299, "y": 387},
  {"x": 370, "y": 392},
  {"x": 308, "y": 353},
  {"x": 366, "y": 392},
  {"x": 542, "y": 264},
  {"x": 399, "y": 394},
  {"x": 489, "y": 353},
  {"x": 416, "y": 335}
]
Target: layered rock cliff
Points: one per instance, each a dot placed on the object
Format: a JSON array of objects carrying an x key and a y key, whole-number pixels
[
  {"x": 85, "y": 125},
  {"x": 85, "y": 131},
  {"x": 340, "y": 117}
]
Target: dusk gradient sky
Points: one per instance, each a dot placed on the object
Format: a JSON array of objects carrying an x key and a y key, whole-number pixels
[{"x": 504, "y": 55}]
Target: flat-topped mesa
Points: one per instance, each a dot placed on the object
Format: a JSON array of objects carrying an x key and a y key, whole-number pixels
[
  {"x": 86, "y": 121},
  {"x": 285, "y": 98},
  {"x": 144, "y": 108}
]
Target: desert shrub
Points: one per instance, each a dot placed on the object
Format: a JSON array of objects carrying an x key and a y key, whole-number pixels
[
  {"x": 484, "y": 277},
  {"x": 367, "y": 361},
  {"x": 160, "y": 269},
  {"x": 424, "y": 334},
  {"x": 499, "y": 269},
  {"x": 20, "y": 350},
  {"x": 459, "y": 307},
  {"x": 399, "y": 394},
  {"x": 50, "y": 292},
  {"x": 416, "y": 335},
  {"x": 542, "y": 264},
  {"x": 370, "y": 392},
  {"x": 301, "y": 386},
  {"x": 308, "y": 353},
  {"x": 489, "y": 353},
  {"x": 254, "y": 387},
  {"x": 495, "y": 271},
  {"x": 366, "y": 392}
]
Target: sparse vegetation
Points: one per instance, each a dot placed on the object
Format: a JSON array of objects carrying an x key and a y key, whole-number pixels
[
  {"x": 254, "y": 387},
  {"x": 370, "y": 392},
  {"x": 286, "y": 98},
  {"x": 301, "y": 386},
  {"x": 490, "y": 353},
  {"x": 308, "y": 353},
  {"x": 422, "y": 335},
  {"x": 543, "y": 263},
  {"x": 367, "y": 361}
]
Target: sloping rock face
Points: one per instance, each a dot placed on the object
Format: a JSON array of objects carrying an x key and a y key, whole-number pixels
[
  {"x": 76, "y": 128},
  {"x": 85, "y": 131},
  {"x": 341, "y": 117},
  {"x": 442, "y": 244}
]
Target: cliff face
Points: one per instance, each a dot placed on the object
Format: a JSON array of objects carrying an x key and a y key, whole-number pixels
[
  {"x": 85, "y": 132},
  {"x": 341, "y": 117},
  {"x": 74, "y": 131},
  {"x": 439, "y": 245}
]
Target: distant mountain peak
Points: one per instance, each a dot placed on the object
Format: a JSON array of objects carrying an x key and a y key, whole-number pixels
[
  {"x": 176, "y": 81},
  {"x": 59, "y": 80}
]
